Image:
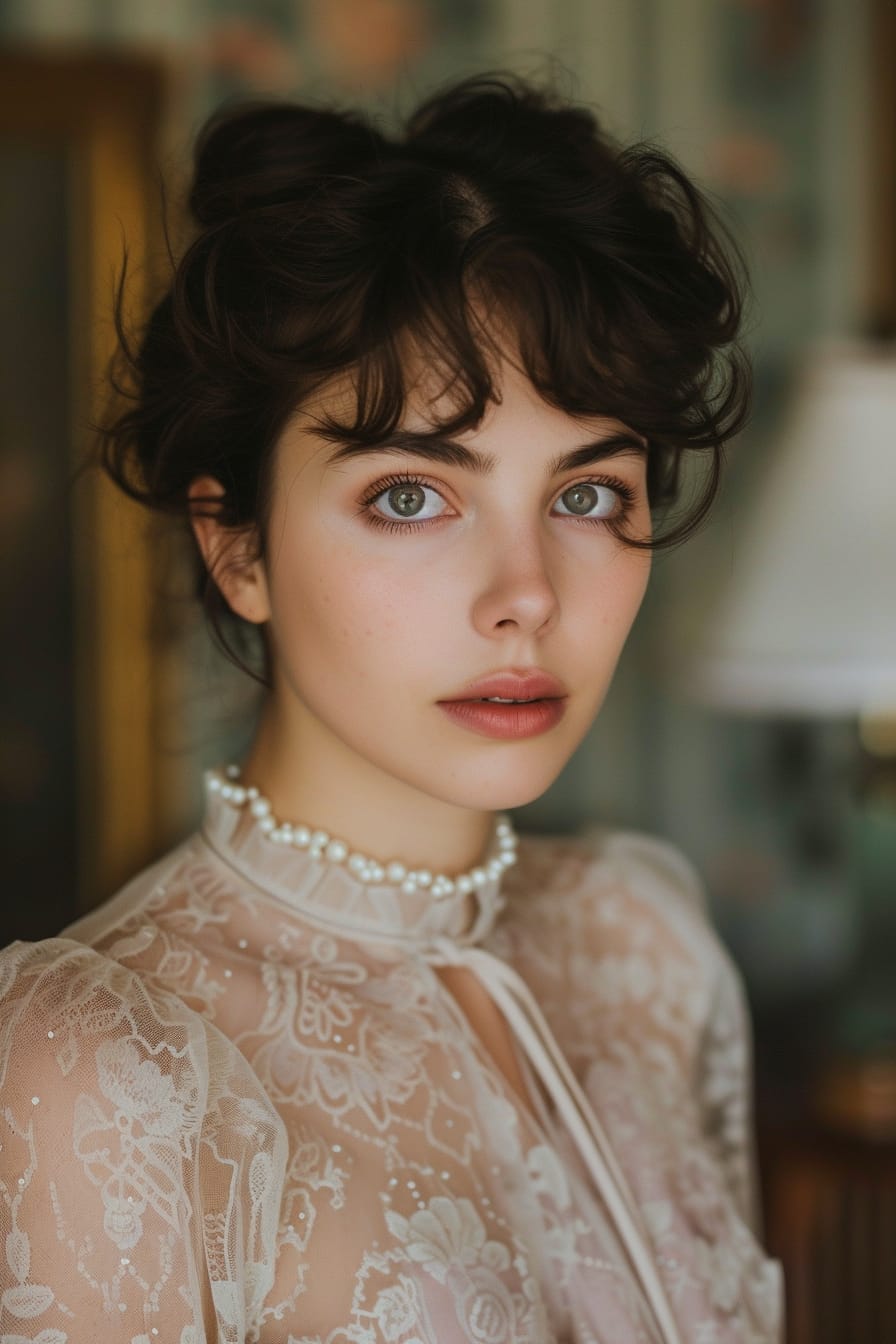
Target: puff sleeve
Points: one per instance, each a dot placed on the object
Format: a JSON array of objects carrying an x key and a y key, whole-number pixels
[{"x": 141, "y": 1165}]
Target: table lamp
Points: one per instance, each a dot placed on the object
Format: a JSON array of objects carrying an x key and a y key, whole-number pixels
[{"x": 806, "y": 624}]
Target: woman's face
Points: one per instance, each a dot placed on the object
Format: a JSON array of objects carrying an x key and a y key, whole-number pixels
[{"x": 381, "y": 605}]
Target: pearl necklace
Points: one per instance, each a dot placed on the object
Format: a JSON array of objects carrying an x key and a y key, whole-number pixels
[{"x": 319, "y": 844}]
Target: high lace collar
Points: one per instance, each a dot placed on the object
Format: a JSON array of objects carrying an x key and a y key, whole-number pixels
[{"x": 330, "y": 895}]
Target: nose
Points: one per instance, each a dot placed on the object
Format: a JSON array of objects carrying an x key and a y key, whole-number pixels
[{"x": 519, "y": 591}]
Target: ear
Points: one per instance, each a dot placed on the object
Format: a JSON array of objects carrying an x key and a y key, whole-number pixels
[{"x": 228, "y": 553}]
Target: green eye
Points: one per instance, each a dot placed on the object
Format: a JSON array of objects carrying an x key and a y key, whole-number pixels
[
  {"x": 405, "y": 500},
  {"x": 580, "y": 499}
]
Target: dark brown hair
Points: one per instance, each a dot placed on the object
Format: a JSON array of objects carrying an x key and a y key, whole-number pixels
[{"x": 324, "y": 245}]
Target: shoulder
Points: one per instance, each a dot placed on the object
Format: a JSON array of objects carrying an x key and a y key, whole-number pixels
[
  {"x": 76, "y": 1015},
  {"x": 145, "y": 891},
  {"x": 103, "y": 1043},
  {"x": 615, "y": 915},
  {"x": 655, "y": 863},
  {"x": 656, "y": 875},
  {"x": 612, "y": 871}
]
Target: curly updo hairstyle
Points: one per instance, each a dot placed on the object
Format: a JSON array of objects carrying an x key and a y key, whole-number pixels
[{"x": 322, "y": 245}]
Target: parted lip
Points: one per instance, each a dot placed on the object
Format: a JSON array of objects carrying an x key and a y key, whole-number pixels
[{"x": 532, "y": 684}]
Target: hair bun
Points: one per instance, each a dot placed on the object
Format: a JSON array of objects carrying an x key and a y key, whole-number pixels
[
  {"x": 499, "y": 118},
  {"x": 262, "y": 154}
]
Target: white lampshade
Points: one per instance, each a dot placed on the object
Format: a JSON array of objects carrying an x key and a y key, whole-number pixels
[{"x": 806, "y": 621}]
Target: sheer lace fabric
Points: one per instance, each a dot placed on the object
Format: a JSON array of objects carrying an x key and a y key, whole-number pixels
[{"x": 238, "y": 1103}]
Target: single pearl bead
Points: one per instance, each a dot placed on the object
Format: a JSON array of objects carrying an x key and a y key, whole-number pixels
[
  {"x": 260, "y": 807},
  {"x": 479, "y": 877},
  {"x": 336, "y": 850},
  {"x": 423, "y": 876},
  {"x": 301, "y": 836},
  {"x": 396, "y": 872},
  {"x": 409, "y": 886},
  {"x": 267, "y": 824},
  {"x": 464, "y": 884}
]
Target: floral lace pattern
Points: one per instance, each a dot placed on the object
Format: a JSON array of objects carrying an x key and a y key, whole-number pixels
[{"x": 223, "y": 1116}]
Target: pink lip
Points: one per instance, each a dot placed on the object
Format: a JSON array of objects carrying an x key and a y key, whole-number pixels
[
  {"x": 531, "y": 684},
  {"x": 506, "y": 721}
]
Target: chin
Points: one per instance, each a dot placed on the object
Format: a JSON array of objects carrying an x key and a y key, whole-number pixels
[{"x": 505, "y": 786}]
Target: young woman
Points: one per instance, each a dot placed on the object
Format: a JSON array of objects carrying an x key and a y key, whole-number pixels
[{"x": 356, "y": 1062}]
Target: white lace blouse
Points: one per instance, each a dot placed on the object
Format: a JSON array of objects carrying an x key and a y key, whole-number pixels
[{"x": 238, "y": 1103}]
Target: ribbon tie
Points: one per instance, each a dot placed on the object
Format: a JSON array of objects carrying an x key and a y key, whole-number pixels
[{"x": 515, "y": 1000}]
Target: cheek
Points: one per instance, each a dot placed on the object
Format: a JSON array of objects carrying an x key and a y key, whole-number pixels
[
  {"x": 335, "y": 612},
  {"x": 616, "y": 599}
]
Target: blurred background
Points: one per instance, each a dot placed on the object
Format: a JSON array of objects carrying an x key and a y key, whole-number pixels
[{"x": 752, "y": 719}]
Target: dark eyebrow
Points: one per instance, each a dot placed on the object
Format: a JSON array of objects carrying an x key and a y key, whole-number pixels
[{"x": 454, "y": 454}]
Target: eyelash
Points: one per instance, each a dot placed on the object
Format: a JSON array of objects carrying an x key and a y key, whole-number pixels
[{"x": 622, "y": 488}]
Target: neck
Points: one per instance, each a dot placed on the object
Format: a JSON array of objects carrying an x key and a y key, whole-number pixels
[{"x": 312, "y": 777}]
